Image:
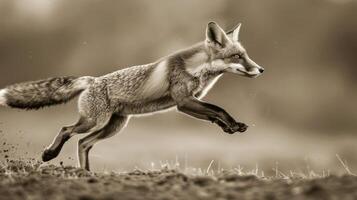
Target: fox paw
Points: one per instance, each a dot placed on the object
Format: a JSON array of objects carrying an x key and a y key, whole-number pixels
[
  {"x": 48, "y": 155},
  {"x": 238, "y": 127},
  {"x": 228, "y": 130},
  {"x": 241, "y": 127}
]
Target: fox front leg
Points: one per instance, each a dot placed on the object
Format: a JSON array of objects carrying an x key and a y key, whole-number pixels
[{"x": 213, "y": 113}]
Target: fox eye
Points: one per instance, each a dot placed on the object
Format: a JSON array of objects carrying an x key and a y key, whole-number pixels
[{"x": 237, "y": 56}]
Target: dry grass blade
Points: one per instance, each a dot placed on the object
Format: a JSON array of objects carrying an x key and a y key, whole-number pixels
[
  {"x": 344, "y": 164},
  {"x": 209, "y": 167}
]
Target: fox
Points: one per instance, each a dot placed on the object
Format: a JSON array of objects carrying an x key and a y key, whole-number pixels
[{"x": 107, "y": 102}]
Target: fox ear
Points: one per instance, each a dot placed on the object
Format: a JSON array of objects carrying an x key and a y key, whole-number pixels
[
  {"x": 216, "y": 34},
  {"x": 236, "y": 32}
]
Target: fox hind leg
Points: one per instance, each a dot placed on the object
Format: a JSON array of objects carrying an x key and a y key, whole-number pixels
[
  {"x": 84, "y": 125},
  {"x": 95, "y": 113},
  {"x": 116, "y": 123}
]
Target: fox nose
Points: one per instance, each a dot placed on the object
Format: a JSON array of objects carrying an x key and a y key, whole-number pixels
[{"x": 261, "y": 70}]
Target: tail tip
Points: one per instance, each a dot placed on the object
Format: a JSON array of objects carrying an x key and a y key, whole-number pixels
[{"x": 3, "y": 97}]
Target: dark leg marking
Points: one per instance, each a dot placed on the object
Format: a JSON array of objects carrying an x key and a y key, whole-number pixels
[
  {"x": 213, "y": 113},
  {"x": 82, "y": 126}
]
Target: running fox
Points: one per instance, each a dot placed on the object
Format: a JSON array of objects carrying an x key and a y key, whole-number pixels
[{"x": 106, "y": 103}]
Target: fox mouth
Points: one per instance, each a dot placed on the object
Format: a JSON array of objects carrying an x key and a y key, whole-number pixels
[
  {"x": 247, "y": 74},
  {"x": 253, "y": 76}
]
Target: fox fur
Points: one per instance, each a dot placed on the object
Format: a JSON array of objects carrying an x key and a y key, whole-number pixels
[
  {"x": 105, "y": 103},
  {"x": 38, "y": 94}
]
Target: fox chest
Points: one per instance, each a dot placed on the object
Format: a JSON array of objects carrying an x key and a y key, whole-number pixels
[{"x": 203, "y": 83}]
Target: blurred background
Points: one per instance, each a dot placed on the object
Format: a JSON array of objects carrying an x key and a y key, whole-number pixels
[{"x": 301, "y": 112}]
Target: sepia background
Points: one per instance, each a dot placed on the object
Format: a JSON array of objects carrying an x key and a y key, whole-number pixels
[{"x": 301, "y": 112}]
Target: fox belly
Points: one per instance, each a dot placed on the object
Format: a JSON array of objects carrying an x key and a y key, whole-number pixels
[{"x": 147, "y": 107}]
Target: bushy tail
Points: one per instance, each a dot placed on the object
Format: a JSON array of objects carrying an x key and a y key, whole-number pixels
[{"x": 38, "y": 94}]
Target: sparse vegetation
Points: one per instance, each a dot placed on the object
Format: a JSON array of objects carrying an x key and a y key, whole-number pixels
[{"x": 32, "y": 179}]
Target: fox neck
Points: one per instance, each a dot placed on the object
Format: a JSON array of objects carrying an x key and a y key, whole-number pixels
[{"x": 197, "y": 61}]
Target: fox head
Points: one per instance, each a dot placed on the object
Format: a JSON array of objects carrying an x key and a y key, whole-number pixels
[{"x": 227, "y": 53}]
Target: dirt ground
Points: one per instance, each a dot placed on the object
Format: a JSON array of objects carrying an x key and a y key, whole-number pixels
[{"x": 34, "y": 180}]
